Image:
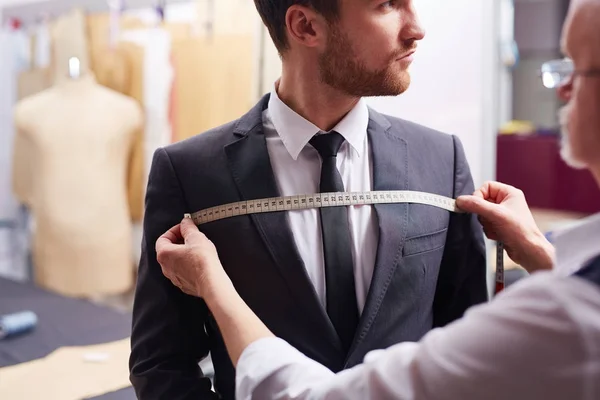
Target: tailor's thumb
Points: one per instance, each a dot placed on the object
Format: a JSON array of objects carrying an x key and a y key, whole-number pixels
[
  {"x": 477, "y": 205},
  {"x": 189, "y": 230}
]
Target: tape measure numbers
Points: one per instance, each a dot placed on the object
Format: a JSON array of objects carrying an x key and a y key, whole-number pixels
[
  {"x": 338, "y": 199},
  {"x": 318, "y": 200}
]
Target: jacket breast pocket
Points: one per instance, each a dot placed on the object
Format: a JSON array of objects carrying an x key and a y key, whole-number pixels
[{"x": 425, "y": 243}]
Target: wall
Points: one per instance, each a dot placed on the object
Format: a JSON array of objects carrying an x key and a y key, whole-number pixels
[
  {"x": 538, "y": 27},
  {"x": 8, "y": 3},
  {"x": 509, "y": 58}
]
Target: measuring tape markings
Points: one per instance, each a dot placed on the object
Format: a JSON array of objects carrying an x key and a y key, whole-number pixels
[
  {"x": 338, "y": 199},
  {"x": 499, "y": 267},
  {"x": 319, "y": 200}
]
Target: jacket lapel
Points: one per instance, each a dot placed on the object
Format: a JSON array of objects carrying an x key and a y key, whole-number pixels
[
  {"x": 390, "y": 172},
  {"x": 252, "y": 172}
]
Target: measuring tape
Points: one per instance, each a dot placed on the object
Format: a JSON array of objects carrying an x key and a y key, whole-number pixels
[
  {"x": 337, "y": 199},
  {"x": 499, "y": 267},
  {"x": 319, "y": 200}
]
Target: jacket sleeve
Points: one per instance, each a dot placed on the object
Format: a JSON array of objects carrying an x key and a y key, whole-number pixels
[
  {"x": 168, "y": 338},
  {"x": 462, "y": 281}
]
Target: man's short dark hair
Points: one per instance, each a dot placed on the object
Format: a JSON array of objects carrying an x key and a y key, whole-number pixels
[{"x": 272, "y": 13}]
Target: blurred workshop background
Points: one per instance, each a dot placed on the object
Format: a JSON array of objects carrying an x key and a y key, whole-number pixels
[{"x": 167, "y": 70}]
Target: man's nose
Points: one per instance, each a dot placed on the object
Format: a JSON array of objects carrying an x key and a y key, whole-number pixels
[
  {"x": 565, "y": 90},
  {"x": 413, "y": 31}
]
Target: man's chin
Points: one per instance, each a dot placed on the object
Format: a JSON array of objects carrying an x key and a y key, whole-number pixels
[
  {"x": 381, "y": 85},
  {"x": 395, "y": 87},
  {"x": 570, "y": 161},
  {"x": 566, "y": 153},
  {"x": 402, "y": 83}
]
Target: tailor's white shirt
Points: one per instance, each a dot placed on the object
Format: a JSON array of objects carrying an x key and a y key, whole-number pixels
[
  {"x": 538, "y": 340},
  {"x": 297, "y": 168}
]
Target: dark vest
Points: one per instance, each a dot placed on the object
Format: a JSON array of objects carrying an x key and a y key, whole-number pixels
[{"x": 590, "y": 272}]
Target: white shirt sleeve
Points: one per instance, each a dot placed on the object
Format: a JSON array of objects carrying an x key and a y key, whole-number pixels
[{"x": 523, "y": 345}]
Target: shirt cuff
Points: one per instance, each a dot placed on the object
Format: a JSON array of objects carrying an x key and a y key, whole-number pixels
[{"x": 260, "y": 360}]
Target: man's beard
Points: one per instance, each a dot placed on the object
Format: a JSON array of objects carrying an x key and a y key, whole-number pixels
[
  {"x": 566, "y": 152},
  {"x": 340, "y": 69}
]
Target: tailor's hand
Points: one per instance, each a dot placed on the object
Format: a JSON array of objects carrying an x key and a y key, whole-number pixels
[
  {"x": 505, "y": 217},
  {"x": 189, "y": 260}
]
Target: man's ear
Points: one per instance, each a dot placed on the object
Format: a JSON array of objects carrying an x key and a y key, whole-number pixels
[{"x": 305, "y": 26}]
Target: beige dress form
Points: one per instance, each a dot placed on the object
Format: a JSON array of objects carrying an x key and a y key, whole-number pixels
[{"x": 81, "y": 135}]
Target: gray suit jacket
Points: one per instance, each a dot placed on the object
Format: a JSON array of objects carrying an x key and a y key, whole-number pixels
[{"x": 430, "y": 264}]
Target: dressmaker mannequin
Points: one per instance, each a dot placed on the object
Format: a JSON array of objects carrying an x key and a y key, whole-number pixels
[
  {"x": 29, "y": 82},
  {"x": 67, "y": 40},
  {"x": 81, "y": 135}
]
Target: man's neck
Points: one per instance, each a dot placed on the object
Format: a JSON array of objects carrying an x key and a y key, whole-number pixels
[{"x": 315, "y": 101}]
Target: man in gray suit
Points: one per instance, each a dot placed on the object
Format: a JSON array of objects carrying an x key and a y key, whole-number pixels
[{"x": 334, "y": 282}]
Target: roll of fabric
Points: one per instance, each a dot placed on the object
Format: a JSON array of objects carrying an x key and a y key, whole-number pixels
[{"x": 17, "y": 323}]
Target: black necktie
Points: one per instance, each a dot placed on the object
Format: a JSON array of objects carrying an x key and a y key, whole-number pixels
[{"x": 339, "y": 272}]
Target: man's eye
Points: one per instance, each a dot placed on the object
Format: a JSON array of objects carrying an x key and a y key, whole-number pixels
[{"x": 388, "y": 4}]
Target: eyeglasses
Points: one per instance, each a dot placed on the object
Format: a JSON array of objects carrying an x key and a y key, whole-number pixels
[{"x": 556, "y": 73}]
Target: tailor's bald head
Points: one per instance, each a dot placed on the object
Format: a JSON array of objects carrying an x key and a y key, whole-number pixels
[{"x": 581, "y": 34}]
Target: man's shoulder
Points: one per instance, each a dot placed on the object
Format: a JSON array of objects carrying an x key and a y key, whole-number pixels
[
  {"x": 205, "y": 142},
  {"x": 213, "y": 141},
  {"x": 414, "y": 131}
]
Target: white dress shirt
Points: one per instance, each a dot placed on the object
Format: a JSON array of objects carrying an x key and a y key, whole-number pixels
[
  {"x": 297, "y": 168},
  {"x": 537, "y": 340}
]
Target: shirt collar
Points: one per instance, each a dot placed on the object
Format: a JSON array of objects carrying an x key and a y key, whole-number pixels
[
  {"x": 577, "y": 245},
  {"x": 295, "y": 131}
]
